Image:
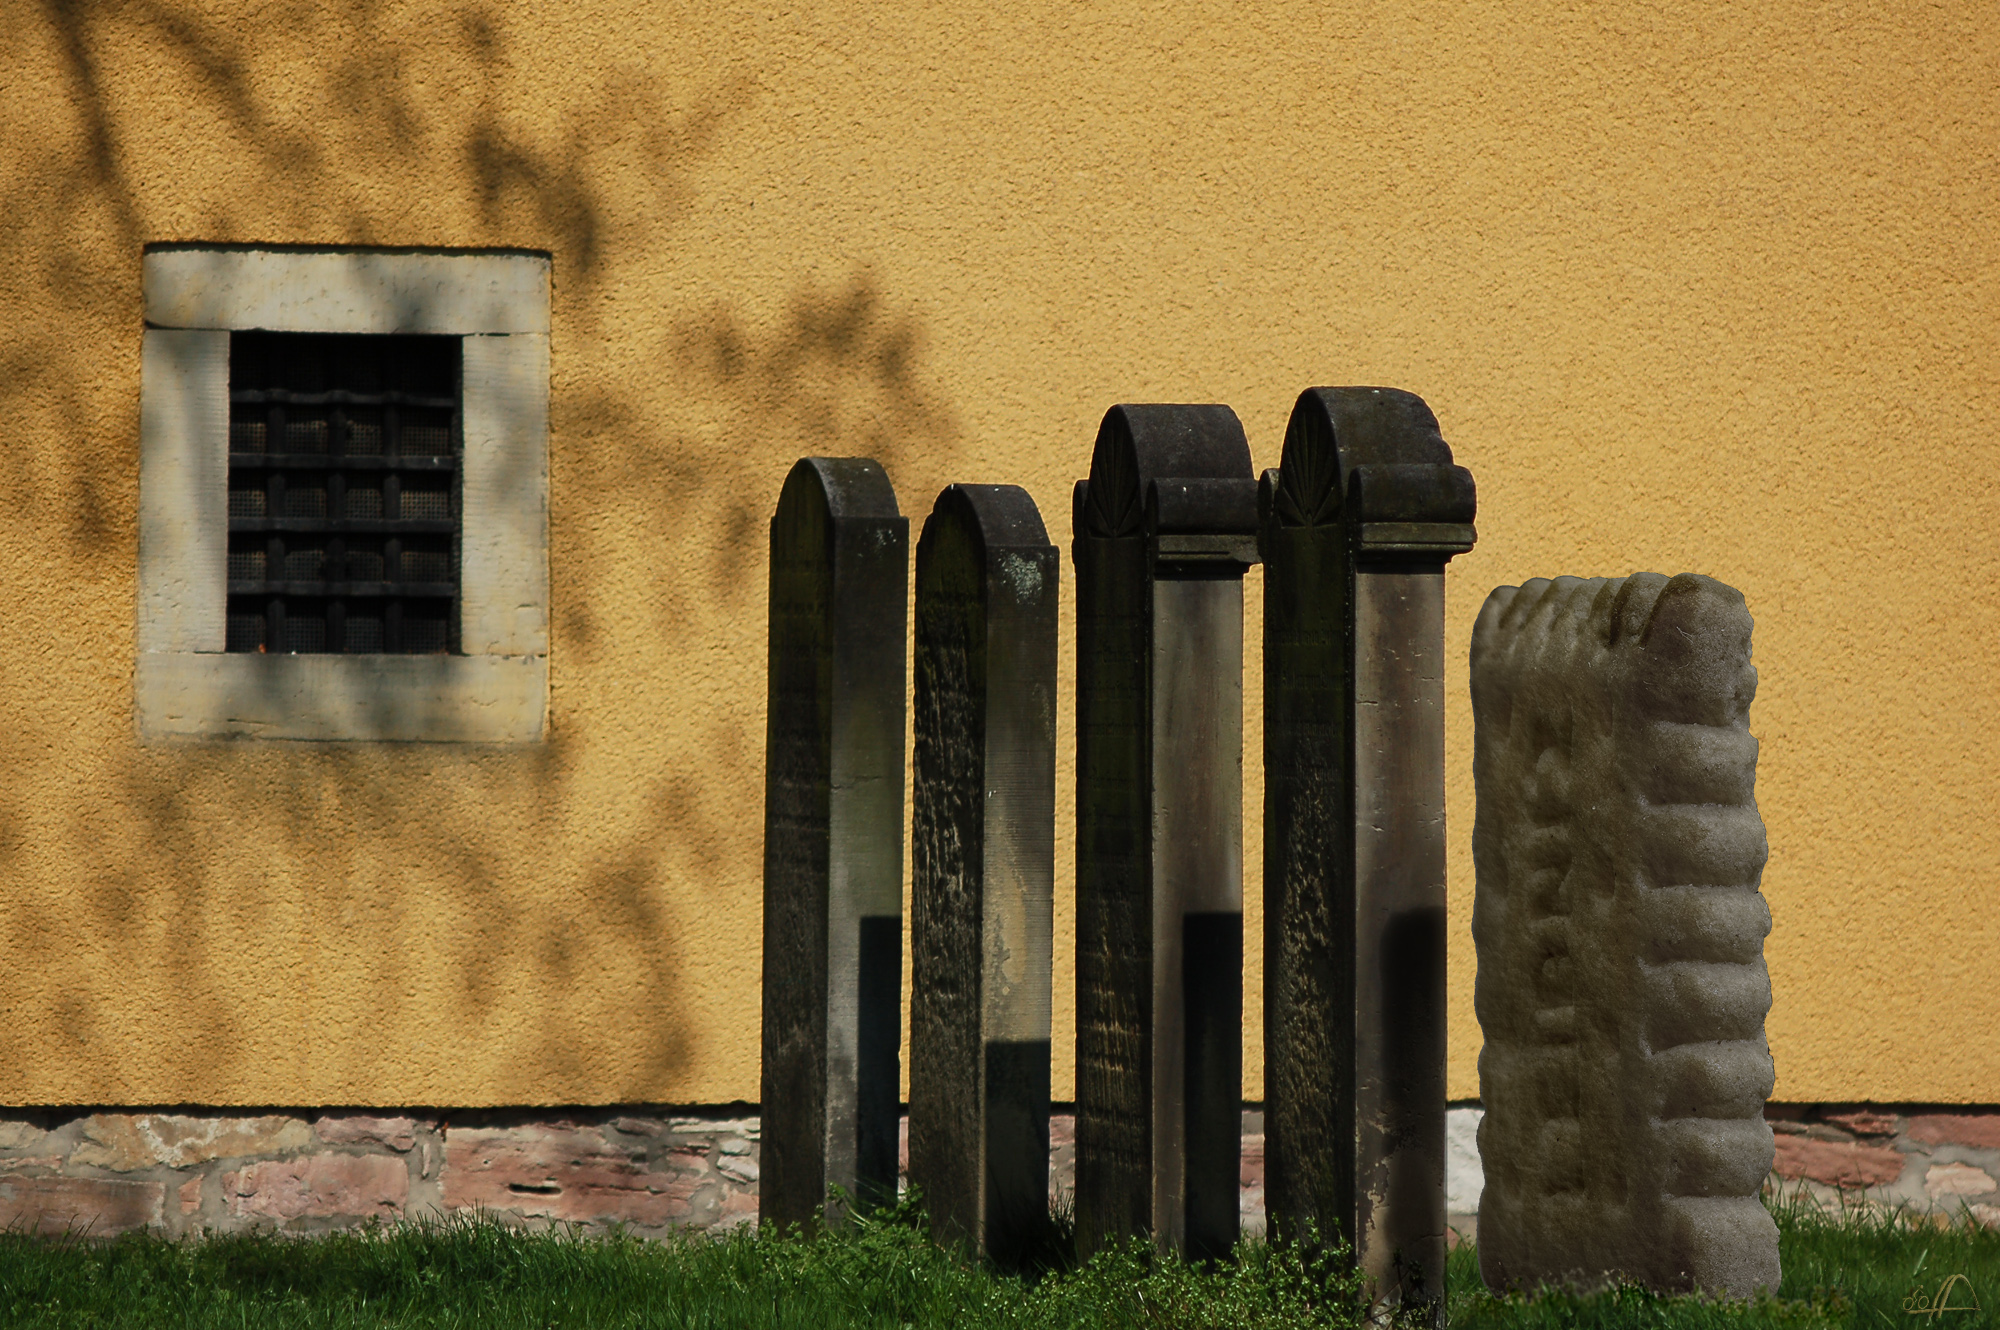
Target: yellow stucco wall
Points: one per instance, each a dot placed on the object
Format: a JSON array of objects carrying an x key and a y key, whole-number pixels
[{"x": 1698, "y": 288}]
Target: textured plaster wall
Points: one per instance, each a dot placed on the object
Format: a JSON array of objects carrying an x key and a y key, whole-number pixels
[{"x": 1707, "y": 288}]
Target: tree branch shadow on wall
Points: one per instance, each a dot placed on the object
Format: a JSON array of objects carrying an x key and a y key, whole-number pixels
[{"x": 207, "y": 919}]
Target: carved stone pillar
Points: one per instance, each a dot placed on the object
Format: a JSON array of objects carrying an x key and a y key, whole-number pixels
[
  {"x": 1356, "y": 526},
  {"x": 1164, "y": 529},
  {"x": 984, "y": 849},
  {"x": 833, "y": 838}
]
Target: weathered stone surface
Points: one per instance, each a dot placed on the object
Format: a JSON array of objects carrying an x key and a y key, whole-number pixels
[
  {"x": 127, "y": 1142},
  {"x": 1957, "y": 1180},
  {"x": 562, "y": 1171},
  {"x": 1621, "y": 987},
  {"x": 748, "y": 1128},
  {"x": 430, "y": 1157},
  {"x": 1250, "y": 1169},
  {"x": 99, "y": 1207},
  {"x": 356, "y": 1129},
  {"x": 1062, "y": 1159},
  {"x": 190, "y": 1196},
  {"x": 1250, "y": 1207},
  {"x": 983, "y": 844},
  {"x": 1357, "y": 525},
  {"x": 737, "y": 1209},
  {"x": 1164, "y": 529},
  {"x": 1836, "y": 1163},
  {"x": 319, "y": 1187},
  {"x": 639, "y": 1126},
  {"x": 833, "y": 837},
  {"x": 1463, "y": 1180},
  {"x": 1818, "y": 1131},
  {"x": 18, "y": 1135},
  {"x": 1867, "y": 1122},
  {"x": 1978, "y": 1129}
]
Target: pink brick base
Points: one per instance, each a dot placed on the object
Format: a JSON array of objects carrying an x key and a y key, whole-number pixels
[
  {"x": 107, "y": 1172},
  {"x": 655, "y": 1170}
]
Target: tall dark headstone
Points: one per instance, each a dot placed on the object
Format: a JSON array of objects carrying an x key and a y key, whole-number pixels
[
  {"x": 1165, "y": 527},
  {"x": 833, "y": 838},
  {"x": 984, "y": 847},
  {"x": 1356, "y": 527}
]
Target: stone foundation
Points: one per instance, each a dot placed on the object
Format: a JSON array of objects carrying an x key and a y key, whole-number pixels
[
  {"x": 1942, "y": 1160},
  {"x": 183, "y": 1171}
]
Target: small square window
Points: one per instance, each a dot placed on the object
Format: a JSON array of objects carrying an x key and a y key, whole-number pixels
[
  {"x": 343, "y": 493},
  {"x": 343, "y": 490}
]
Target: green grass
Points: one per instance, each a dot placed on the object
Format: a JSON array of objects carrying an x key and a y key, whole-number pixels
[
  {"x": 1843, "y": 1272},
  {"x": 469, "y": 1273},
  {"x": 1853, "y": 1270}
]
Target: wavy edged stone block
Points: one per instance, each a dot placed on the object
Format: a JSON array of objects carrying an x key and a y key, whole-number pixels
[{"x": 1622, "y": 988}]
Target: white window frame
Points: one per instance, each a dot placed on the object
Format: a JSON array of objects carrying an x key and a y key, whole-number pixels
[{"x": 186, "y": 686}]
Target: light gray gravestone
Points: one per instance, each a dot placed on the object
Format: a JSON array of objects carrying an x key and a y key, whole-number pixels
[
  {"x": 984, "y": 849},
  {"x": 1356, "y": 526},
  {"x": 1164, "y": 529},
  {"x": 1620, "y": 930},
  {"x": 833, "y": 839}
]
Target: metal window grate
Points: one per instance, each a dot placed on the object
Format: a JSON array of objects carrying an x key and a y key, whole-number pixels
[{"x": 343, "y": 492}]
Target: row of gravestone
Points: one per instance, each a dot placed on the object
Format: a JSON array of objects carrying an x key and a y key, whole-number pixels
[{"x": 1354, "y": 530}]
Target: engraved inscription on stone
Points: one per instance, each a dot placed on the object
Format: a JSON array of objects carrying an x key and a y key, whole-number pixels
[{"x": 1620, "y": 933}]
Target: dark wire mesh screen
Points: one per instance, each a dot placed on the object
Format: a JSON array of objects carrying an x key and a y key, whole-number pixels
[{"x": 343, "y": 492}]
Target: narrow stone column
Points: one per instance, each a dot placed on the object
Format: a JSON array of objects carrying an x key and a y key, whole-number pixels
[
  {"x": 1622, "y": 987},
  {"x": 1164, "y": 530},
  {"x": 984, "y": 846},
  {"x": 1356, "y": 526},
  {"x": 833, "y": 838}
]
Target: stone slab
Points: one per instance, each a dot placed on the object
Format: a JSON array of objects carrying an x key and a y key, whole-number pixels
[
  {"x": 833, "y": 838},
  {"x": 1980, "y": 1129},
  {"x": 127, "y": 1142},
  {"x": 1356, "y": 526},
  {"x": 564, "y": 1172},
  {"x": 1163, "y": 530},
  {"x": 1836, "y": 1163},
  {"x": 93, "y": 1207},
  {"x": 327, "y": 1186},
  {"x": 1621, "y": 985},
  {"x": 397, "y": 1133},
  {"x": 291, "y": 290},
  {"x": 982, "y": 930}
]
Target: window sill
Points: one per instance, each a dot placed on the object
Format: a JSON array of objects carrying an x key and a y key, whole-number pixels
[{"x": 238, "y": 695}]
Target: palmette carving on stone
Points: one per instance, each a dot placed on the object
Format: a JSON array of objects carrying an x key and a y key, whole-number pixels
[{"x": 1620, "y": 932}]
